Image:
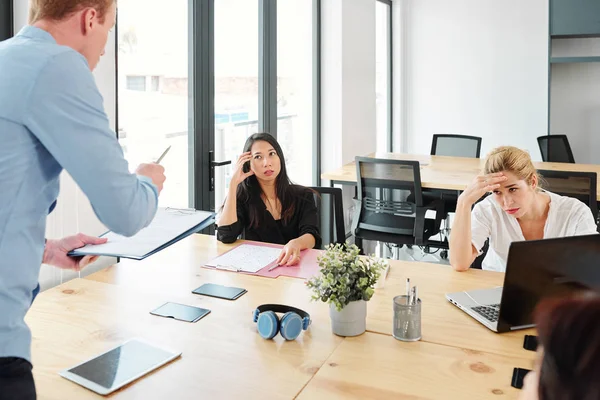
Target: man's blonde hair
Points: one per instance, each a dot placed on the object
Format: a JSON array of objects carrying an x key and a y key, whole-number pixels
[
  {"x": 58, "y": 10},
  {"x": 511, "y": 159}
]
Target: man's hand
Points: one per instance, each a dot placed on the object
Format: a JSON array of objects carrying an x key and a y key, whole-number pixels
[
  {"x": 56, "y": 251},
  {"x": 155, "y": 172}
]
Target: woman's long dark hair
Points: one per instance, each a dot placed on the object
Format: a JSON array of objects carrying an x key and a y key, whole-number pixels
[
  {"x": 569, "y": 332},
  {"x": 250, "y": 188}
]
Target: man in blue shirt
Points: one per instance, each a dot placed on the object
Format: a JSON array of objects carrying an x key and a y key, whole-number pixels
[{"x": 52, "y": 118}]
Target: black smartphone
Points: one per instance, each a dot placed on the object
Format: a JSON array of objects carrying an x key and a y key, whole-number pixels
[
  {"x": 220, "y": 291},
  {"x": 246, "y": 167},
  {"x": 518, "y": 376},
  {"x": 530, "y": 342}
]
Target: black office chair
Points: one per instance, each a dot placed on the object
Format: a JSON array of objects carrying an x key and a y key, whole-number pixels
[
  {"x": 456, "y": 146},
  {"x": 555, "y": 148},
  {"x": 330, "y": 214},
  {"x": 384, "y": 213},
  {"x": 579, "y": 185}
]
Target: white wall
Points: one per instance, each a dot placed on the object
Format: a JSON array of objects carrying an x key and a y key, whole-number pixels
[
  {"x": 575, "y": 98},
  {"x": 474, "y": 67},
  {"x": 73, "y": 212},
  {"x": 348, "y": 116},
  {"x": 348, "y": 69}
]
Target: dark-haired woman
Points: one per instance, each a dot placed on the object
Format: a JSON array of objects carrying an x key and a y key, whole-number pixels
[
  {"x": 264, "y": 205},
  {"x": 568, "y": 364}
]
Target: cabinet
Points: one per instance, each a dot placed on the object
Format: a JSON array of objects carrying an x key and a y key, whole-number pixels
[{"x": 575, "y": 18}]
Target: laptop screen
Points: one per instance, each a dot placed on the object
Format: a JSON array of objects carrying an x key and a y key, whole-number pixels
[{"x": 537, "y": 269}]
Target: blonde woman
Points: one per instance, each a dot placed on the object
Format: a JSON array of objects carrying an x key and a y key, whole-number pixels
[{"x": 518, "y": 209}]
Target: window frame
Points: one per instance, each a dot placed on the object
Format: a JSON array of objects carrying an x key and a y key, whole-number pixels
[
  {"x": 7, "y": 24},
  {"x": 390, "y": 75}
]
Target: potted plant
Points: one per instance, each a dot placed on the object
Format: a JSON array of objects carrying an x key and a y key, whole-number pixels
[{"x": 346, "y": 282}]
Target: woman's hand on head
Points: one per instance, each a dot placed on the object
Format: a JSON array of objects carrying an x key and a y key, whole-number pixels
[
  {"x": 481, "y": 185},
  {"x": 290, "y": 254},
  {"x": 238, "y": 174}
]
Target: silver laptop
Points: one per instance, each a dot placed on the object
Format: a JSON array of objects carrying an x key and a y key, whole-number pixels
[
  {"x": 482, "y": 304},
  {"x": 535, "y": 269}
]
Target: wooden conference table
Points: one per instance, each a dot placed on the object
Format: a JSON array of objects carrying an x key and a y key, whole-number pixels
[
  {"x": 224, "y": 358},
  {"x": 446, "y": 173}
]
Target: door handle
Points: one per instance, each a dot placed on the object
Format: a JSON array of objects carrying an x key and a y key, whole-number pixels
[{"x": 212, "y": 163}]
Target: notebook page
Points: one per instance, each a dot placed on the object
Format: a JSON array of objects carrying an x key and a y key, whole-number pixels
[{"x": 247, "y": 258}]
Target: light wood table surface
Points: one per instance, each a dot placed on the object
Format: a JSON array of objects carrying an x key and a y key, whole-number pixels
[
  {"x": 373, "y": 366},
  {"x": 178, "y": 270},
  {"x": 224, "y": 357},
  {"x": 442, "y": 322},
  {"x": 447, "y": 173}
]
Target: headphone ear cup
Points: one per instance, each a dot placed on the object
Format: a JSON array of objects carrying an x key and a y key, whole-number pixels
[
  {"x": 291, "y": 326},
  {"x": 268, "y": 324}
]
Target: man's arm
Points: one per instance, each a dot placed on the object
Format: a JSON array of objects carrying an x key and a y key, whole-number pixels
[{"x": 65, "y": 112}]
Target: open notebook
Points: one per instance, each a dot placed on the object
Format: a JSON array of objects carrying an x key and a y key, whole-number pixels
[{"x": 169, "y": 226}]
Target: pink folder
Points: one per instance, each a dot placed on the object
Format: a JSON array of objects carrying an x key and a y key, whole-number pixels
[{"x": 306, "y": 268}]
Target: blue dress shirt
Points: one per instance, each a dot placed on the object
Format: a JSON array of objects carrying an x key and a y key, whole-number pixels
[{"x": 52, "y": 117}]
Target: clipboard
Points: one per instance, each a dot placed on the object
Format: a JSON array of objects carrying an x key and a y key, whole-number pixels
[
  {"x": 305, "y": 269},
  {"x": 169, "y": 226}
]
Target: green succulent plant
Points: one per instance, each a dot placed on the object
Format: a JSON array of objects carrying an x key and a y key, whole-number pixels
[{"x": 345, "y": 276}]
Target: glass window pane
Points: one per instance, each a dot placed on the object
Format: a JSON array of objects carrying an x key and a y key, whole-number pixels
[
  {"x": 136, "y": 83},
  {"x": 295, "y": 94},
  {"x": 382, "y": 74},
  {"x": 236, "y": 84},
  {"x": 153, "y": 90}
]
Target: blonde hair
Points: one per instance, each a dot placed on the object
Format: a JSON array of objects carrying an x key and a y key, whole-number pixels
[
  {"x": 511, "y": 159},
  {"x": 58, "y": 10}
]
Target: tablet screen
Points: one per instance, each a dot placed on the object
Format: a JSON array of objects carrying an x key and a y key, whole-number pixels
[
  {"x": 123, "y": 364},
  {"x": 223, "y": 292}
]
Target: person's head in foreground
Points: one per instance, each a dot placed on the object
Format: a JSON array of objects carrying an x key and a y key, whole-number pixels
[{"x": 568, "y": 364}]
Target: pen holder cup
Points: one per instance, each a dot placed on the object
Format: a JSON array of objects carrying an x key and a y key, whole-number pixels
[{"x": 407, "y": 319}]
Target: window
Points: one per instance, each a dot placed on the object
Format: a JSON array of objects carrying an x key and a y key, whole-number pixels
[
  {"x": 219, "y": 41},
  {"x": 236, "y": 83},
  {"x": 295, "y": 89},
  {"x": 383, "y": 80},
  {"x": 136, "y": 83},
  {"x": 154, "y": 113}
]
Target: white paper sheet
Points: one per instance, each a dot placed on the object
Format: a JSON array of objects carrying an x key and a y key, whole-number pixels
[{"x": 246, "y": 257}]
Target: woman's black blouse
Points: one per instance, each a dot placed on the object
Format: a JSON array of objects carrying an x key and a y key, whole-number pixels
[{"x": 304, "y": 220}]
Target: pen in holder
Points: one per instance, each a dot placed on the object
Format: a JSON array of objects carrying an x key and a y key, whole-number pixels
[{"x": 407, "y": 317}]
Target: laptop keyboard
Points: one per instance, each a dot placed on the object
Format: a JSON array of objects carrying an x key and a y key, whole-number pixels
[{"x": 488, "y": 312}]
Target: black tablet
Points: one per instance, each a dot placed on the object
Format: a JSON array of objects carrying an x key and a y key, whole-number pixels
[
  {"x": 220, "y": 291},
  {"x": 180, "y": 312}
]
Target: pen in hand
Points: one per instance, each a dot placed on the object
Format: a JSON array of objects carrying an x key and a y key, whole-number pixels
[
  {"x": 273, "y": 267},
  {"x": 163, "y": 155}
]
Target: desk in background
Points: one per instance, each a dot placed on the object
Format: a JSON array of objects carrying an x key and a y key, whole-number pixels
[{"x": 446, "y": 173}]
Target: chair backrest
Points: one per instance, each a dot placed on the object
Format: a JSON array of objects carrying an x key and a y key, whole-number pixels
[
  {"x": 383, "y": 189},
  {"x": 456, "y": 146},
  {"x": 555, "y": 148},
  {"x": 579, "y": 185},
  {"x": 330, "y": 213}
]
